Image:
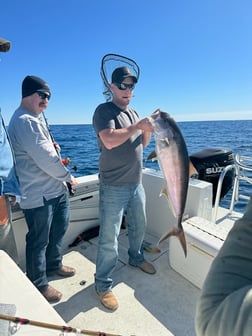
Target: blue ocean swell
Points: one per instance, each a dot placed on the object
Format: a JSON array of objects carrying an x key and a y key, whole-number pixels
[{"x": 79, "y": 143}]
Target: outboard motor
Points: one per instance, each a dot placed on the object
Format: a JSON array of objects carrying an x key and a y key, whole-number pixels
[{"x": 209, "y": 164}]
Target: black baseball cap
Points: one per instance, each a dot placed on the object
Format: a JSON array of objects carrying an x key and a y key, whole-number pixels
[{"x": 119, "y": 74}]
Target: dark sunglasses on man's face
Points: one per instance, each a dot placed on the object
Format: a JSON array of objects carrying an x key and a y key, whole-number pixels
[
  {"x": 123, "y": 86},
  {"x": 43, "y": 95}
]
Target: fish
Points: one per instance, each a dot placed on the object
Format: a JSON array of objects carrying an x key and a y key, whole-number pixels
[
  {"x": 173, "y": 159},
  {"x": 193, "y": 172}
]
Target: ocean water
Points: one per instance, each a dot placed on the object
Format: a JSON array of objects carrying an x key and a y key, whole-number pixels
[{"x": 78, "y": 142}]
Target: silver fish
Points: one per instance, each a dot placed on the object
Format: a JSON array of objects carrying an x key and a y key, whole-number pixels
[{"x": 173, "y": 160}]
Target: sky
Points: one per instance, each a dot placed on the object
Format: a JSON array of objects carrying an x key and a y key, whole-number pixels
[{"x": 195, "y": 56}]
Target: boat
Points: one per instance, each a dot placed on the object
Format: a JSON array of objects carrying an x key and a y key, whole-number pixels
[{"x": 162, "y": 304}]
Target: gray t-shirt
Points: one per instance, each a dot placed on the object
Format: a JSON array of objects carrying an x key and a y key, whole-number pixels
[{"x": 121, "y": 165}]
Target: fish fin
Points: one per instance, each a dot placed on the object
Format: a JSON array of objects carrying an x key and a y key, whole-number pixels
[
  {"x": 165, "y": 141},
  {"x": 178, "y": 233},
  {"x": 181, "y": 237},
  {"x": 164, "y": 192},
  {"x": 192, "y": 170},
  {"x": 152, "y": 156},
  {"x": 155, "y": 114},
  {"x": 172, "y": 232}
]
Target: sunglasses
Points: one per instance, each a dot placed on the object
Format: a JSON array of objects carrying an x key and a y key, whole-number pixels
[
  {"x": 123, "y": 86},
  {"x": 43, "y": 95}
]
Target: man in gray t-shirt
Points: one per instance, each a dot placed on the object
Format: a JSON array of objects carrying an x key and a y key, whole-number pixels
[{"x": 121, "y": 138}]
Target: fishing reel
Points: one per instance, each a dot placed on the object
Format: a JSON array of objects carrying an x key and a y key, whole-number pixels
[{"x": 66, "y": 161}]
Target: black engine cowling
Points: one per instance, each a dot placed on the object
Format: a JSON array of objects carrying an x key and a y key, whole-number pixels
[{"x": 209, "y": 164}]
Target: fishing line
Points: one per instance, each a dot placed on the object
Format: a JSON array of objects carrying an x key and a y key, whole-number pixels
[{"x": 69, "y": 186}]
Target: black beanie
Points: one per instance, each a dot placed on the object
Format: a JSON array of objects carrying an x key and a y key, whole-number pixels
[{"x": 32, "y": 84}]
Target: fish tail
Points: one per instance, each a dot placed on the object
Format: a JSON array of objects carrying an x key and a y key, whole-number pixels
[
  {"x": 178, "y": 233},
  {"x": 181, "y": 237}
]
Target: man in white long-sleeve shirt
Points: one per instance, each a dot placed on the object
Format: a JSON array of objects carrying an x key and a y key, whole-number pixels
[{"x": 41, "y": 175}]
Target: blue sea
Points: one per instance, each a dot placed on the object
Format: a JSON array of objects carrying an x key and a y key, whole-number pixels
[{"x": 78, "y": 142}]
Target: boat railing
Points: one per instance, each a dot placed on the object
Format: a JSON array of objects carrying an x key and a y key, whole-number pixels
[{"x": 242, "y": 166}]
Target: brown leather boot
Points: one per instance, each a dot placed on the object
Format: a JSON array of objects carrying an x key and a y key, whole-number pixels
[
  {"x": 146, "y": 267},
  {"x": 66, "y": 271},
  {"x": 108, "y": 300},
  {"x": 52, "y": 295}
]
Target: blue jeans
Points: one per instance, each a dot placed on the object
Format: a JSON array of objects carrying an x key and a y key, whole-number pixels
[
  {"x": 115, "y": 201},
  {"x": 46, "y": 228}
]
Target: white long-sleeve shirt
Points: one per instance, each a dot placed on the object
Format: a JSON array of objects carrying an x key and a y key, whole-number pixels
[{"x": 39, "y": 168}]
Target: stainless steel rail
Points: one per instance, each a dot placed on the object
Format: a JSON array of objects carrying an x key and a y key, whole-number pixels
[{"x": 242, "y": 165}]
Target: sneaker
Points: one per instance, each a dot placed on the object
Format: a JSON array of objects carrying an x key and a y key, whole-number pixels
[
  {"x": 52, "y": 295},
  {"x": 66, "y": 271},
  {"x": 108, "y": 300},
  {"x": 146, "y": 267}
]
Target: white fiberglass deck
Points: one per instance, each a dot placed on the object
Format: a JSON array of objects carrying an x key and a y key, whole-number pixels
[{"x": 162, "y": 304}]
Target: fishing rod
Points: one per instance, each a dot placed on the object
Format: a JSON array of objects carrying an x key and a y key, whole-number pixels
[
  {"x": 65, "y": 161},
  {"x": 66, "y": 329}
]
